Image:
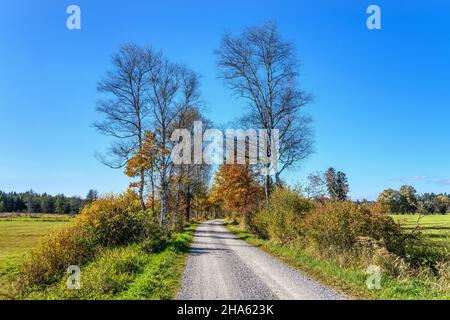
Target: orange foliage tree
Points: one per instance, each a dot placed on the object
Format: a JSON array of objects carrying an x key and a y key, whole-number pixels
[
  {"x": 143, "y": 160},
  {"x": 236, "y": 188}
]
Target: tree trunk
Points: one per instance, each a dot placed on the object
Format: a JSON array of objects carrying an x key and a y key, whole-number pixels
[
  {"x": 277, "y": 179},
  {"x": 188, "y": 207},
  {"x": 141, "y": 191},
  {"x": 152, "y": 185},
  {"x": 267, "y": 184},
  {"x": 163, "y": 196}
]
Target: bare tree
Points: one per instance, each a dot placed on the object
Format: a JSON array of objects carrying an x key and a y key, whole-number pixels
[
  {"x": 125, "y": 108},
  {"x": 263, "y": 69},
  {"x": 192, "y": 179},
  {"x": 316, "y": 187},
  {"x": 172, "y": 89}
]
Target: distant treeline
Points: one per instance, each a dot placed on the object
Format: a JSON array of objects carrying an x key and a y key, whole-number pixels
[
  {"x": 32, "y": 202},
  {"x": 407, "y": 200}
]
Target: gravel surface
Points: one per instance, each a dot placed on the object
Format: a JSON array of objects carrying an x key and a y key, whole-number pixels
[{"x": 222, "y": 266}]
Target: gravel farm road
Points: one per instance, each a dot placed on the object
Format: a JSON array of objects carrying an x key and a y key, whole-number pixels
[{"x": 222, "y": 266}]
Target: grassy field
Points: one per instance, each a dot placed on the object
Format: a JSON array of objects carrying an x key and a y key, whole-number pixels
[
  {"x": 118, "y": 273},
  {"x": 434, "y": 227},
  {"x": 18, "y": 235}
]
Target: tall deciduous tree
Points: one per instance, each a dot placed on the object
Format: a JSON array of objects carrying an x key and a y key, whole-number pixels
[
  {"x": 172, "y": 90},
  {"x": 337, "y": 184},
  {"x": 391, "y": 199},
  {"x": 408, "y": 199},
  {"x": 125, "y": 107},
  {"x": 145, "y": 92},
  {"x": 316, "y": 186},
  {"x": 263, "y": 69},
  {"x": 192, "y": 180}
]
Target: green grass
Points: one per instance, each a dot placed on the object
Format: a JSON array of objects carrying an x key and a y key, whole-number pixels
[
  {"x": 349, "y": 281},
  {"x": 18, "y": 235},
  {"x": 433, "y": 227},
  {"x": 127, "y": 273}
]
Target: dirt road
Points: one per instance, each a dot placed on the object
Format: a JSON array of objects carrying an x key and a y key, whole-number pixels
[{"x": 221, "y": 266}]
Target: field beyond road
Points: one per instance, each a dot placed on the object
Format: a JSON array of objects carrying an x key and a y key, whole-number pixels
[
  {"x": 18, "y": 235},
  {"x": 433, "y": 227}
]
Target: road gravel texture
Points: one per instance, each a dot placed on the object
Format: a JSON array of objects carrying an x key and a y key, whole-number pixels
[{"x": 223, "y": 267}]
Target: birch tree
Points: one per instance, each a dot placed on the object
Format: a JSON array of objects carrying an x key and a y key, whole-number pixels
[
  {"x": 125, "y": 109},
  {"x": 261, "y": 68},
  {"x": 172, "y": 90}
]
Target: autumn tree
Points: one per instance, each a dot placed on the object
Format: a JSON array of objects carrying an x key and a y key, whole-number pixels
[
  {"x": 125, "y": 108},
  {"x": 262, "y": 68},
  {"x": 142, "y": 160},
  {"x": 236, "y": 187},
  {"x": 172, "y": 89},
  {"x": 145, "y": 92}
]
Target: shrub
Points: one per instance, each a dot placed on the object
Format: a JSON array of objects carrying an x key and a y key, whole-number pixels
[
  {"x": 71, "y": 245},
  {"x": 425, "y": 253},
  {"x": 280, "y": 219},
  {"x": 180, "y": 241},
  {"x": 116, "y": 220},
  {"x": 339, "y": 225},
  {"x": 155, "y": 245},
  {"x": 107, "y": 223}
]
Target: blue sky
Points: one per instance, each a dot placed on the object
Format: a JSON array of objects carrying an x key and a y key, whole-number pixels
[{"x": 382, "y": 98}]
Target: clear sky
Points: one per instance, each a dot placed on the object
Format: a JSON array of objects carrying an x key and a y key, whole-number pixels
[{"x": 382, "y": 98}]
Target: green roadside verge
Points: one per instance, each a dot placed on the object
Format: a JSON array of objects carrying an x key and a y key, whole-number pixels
[
  {"x": 349, "y": 281},
  {"x": 128, "y": 273}
]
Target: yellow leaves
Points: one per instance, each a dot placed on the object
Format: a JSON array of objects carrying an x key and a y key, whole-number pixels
[{"x": 143, "y": 158}]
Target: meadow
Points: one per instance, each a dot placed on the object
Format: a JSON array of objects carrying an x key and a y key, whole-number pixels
[
  {"x": 434, "y": 227},
  {"x": 121, "y": 252},
  {"x": 19, "y": 234}
]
